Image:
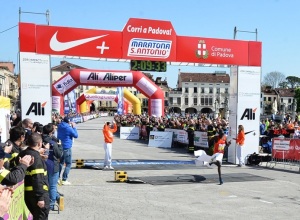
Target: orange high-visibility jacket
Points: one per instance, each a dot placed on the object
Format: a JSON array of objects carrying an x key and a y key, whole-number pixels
[{"x": 108, "y": 133}]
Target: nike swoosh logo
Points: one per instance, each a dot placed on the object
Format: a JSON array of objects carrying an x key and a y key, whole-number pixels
[{"x": 58, "y": 46}]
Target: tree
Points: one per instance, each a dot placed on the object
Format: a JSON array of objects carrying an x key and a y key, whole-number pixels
[
  {"x": 283, "y": 85},
  {"x": 297, "y": 98},
  {"x": 274, "y": 79},
  {"x": 293, "y": 81}
]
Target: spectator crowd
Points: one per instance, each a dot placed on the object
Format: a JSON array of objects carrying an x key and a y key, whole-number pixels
[{"x": 41, "y": 156}]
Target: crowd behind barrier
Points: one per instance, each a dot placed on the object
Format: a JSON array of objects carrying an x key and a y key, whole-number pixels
[{"x": 17, "y": 208}]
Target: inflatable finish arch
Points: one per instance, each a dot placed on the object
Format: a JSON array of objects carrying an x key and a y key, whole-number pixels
[
  {"x": 135, "y": 102},
  {"x": 108, "y": 78},
  {"x": 96, "y": 97}
]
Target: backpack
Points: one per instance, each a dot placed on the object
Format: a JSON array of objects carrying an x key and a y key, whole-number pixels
[{"x": 254, "y": 159}]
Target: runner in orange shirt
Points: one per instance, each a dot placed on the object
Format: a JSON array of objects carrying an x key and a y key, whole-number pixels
[{"x": 108, "y": 139}]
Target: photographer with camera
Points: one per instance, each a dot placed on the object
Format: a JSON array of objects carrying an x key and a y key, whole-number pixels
[{"x": 65, "y": 133}]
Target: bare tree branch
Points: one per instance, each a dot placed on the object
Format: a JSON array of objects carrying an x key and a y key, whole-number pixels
[{"x": 274, "y": 79}]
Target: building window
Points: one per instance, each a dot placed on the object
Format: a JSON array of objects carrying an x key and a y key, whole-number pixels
[
  {"x": 210, "y": 100},
  {"x": 166, "y": 94},
  {"x": 110, "y": 103},
  {"x": 166, "y": 103},
  {"x": 202, "y": 90},
  {"x": 265, "y": 99},
  {"x": 179, "y": 101},
  {"x": 186, "y": 101},
  {"x": 206, "y": 101},
  {"x": 195, "y": 89},
  {"x": 211, "y": 90},
  {"x": 269, "y": 99},
  {"x": 226, "y": 90},
  {"x": 202, "y": 101},
  {"x": 171, "y": 101},
  {"x": 186, "y": 90},
  {"x": 218, "y": 90},
  {"x": 290, "y": 101},
  {"x": 87, "y": 87},
  {"x": 281, "y": 100},
  {"x": 274, "y": 98},
  {"x": 195, "y": 101}
]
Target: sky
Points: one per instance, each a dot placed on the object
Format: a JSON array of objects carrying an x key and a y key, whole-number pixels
[{"x": 277, "y": 23}]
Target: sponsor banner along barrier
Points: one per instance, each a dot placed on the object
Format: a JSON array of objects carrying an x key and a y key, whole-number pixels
[
  {"x": 130, "y": 133},
  {"x": 286, "y": 149},
  {"x": 200, "y": 139},
  {"x": 160, "y": 139}
]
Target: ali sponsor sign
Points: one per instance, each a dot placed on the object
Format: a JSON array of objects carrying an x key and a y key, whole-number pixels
[{"x": 105, "y": 77}]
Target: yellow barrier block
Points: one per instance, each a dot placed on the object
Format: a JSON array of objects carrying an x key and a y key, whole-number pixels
[
  {"x": 121, "y": 176},
  {"x": 79, "y": 163}
]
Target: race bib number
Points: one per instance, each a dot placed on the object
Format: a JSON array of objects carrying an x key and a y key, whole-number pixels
[{"x": 221, "y": 147}]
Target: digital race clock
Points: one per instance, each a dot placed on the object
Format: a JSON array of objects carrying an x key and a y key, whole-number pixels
[{"x": 147, "y": 65}]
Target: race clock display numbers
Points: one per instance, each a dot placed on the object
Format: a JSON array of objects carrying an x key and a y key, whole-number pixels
[{"x": 147, "y": 65}]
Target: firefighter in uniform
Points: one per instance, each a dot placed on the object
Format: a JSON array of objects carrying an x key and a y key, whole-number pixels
[
  {"x": 191, "y": 137},
  {"x": 16, "y": 138},
  {"x": 36, "y": 180},
  {"x": 211, "y": 131},
  {"x": 16, "y": 174}
]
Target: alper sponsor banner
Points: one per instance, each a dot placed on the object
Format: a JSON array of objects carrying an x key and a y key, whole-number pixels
[{"x": 97, "y": 77}]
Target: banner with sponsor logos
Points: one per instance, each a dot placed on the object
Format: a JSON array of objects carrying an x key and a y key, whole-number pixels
[
  {"x": 36, "y": 101},
  {"x": 200, "y": 139},
  {"x": 244, "y": 108},
  {"x": 130, "y": 133},
  {"x": 140, "y": 39},
  {"x": 160, "y": 139},
  {"x": 286, "y": 149},
  {"x": 110, "y": 78}
]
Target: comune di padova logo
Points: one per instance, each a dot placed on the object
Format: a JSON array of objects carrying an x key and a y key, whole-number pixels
[{"x": 149, "y": 48}]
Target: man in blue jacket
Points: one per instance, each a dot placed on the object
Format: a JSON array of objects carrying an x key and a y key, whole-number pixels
[{"x": 66, "y": 131}]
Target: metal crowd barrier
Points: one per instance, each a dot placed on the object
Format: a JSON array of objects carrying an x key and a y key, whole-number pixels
[{"x": 285, "y": 153}]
